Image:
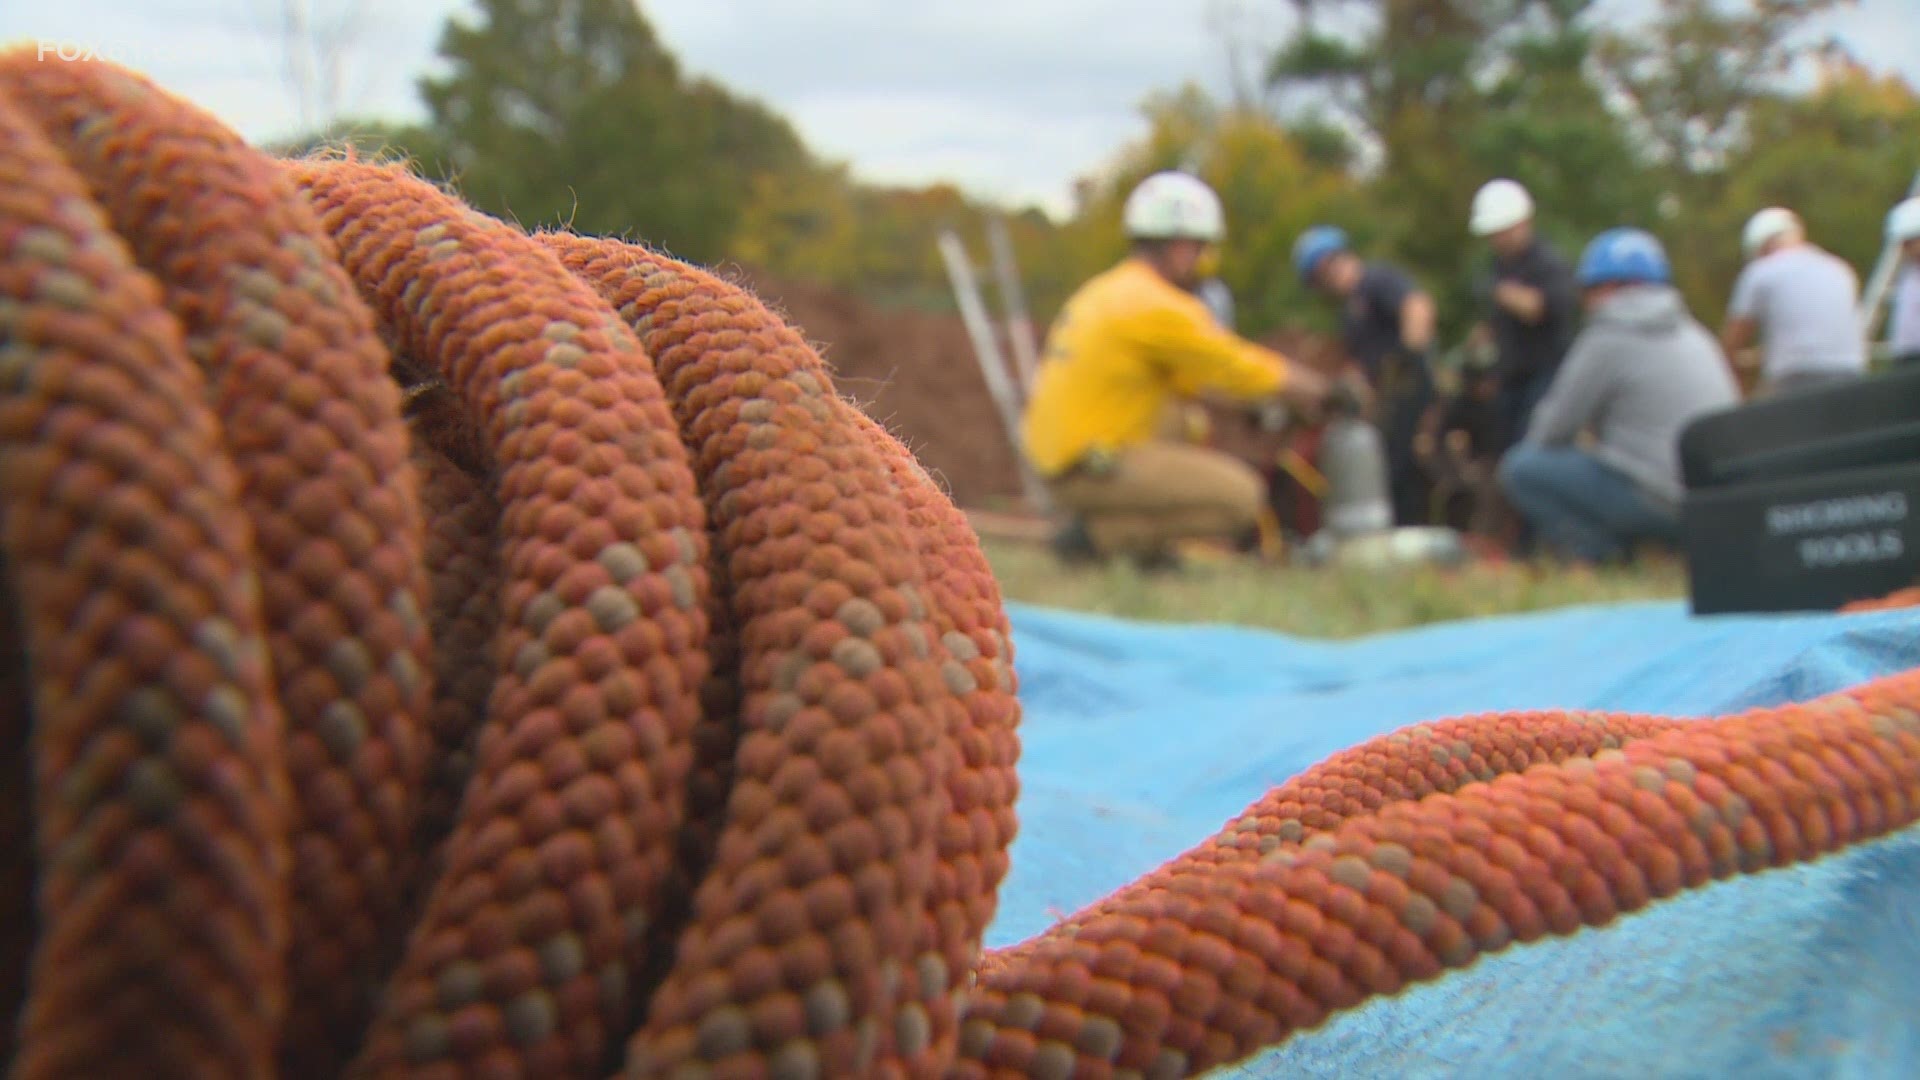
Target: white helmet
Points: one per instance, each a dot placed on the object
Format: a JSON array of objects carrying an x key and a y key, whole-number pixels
[
  {"x": 1765, "y": 226},
  {"x": 1903, "y": 223},
  {"x": 1172, "y": 204},
  {"x": 1499, "y": 205}
]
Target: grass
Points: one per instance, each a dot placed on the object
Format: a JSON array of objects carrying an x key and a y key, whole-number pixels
[{"x": 1321, "y": 603}]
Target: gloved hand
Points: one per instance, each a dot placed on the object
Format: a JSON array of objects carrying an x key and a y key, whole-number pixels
[
  {"x": 1346, "y": 397},
  {"x": 1305, "y": 388},
  {"x": 1404, "y": 374}
]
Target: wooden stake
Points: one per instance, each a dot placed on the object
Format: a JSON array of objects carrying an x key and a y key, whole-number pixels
[
  {"x": 986, "y": 351},
  {"x": 1019, "y": 325}
]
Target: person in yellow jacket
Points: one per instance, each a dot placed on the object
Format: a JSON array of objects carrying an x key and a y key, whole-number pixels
[{"x": 1127, "y": 350}]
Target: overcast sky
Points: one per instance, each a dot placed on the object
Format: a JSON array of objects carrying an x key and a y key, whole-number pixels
[{"x": 1009, "y": 98}]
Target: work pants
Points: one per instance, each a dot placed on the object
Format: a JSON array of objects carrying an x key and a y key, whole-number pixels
[
  {"x": 1407, "y": 479},
  {"x": 1520, "y": 395},
  {"x": 1583, "y": 508},
  {"x": 1518, "y": 398},
  {"x": 1405, "y": 390},
  {"x": 1142, "y": 500}
]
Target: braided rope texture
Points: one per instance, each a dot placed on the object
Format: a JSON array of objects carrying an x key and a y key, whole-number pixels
[{"x": 443, "y": 650}]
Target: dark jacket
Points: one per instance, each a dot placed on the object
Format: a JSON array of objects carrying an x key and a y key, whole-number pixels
[{"x": 1530, "y": 350}]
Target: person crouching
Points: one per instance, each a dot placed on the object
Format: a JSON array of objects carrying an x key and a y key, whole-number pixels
[
  {"x": 1641, "y": 370},
  {"x": 1128, "y": 346}
]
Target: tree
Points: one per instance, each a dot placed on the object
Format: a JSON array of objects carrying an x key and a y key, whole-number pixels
[
  {"x": 822, "y": 225},
  {"x": 570, "y": 112},
  {"x": 1545, "y": 123},
  {"x": 1410, "y": 87},
  {"x": 379, "y": 140},
  {"x": 803, "y": 225},
  {"x": 1841, "y": 156},
  {"x": 1411, "y": 55},
  {"x": 1687, "y": 80},
  {"x": 1690, "y": 83}
]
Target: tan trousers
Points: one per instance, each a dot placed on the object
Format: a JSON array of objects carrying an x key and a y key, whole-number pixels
[{"x": 1153, "y": 495}]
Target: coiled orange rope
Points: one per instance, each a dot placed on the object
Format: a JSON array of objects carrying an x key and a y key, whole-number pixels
[{"x": 438, "y": 650}]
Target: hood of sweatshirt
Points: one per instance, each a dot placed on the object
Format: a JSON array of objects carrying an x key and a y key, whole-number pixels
[{"x": 1642, "y": 309}]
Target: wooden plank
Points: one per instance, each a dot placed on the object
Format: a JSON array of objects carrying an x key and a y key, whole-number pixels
[
  {"x": 986, "y": 349},
  {"x": 1019, "y": 326}
]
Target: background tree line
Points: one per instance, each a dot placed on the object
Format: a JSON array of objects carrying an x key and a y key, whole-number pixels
[{"x": 572, "y": 112}]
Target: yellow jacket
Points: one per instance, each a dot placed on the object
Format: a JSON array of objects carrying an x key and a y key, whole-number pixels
[{"x": 1124, "y": 347}]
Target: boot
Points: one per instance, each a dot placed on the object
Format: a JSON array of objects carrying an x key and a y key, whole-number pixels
[
  {"x": 1073, "y": 545},
  {"x": 1160, "y": 561}
]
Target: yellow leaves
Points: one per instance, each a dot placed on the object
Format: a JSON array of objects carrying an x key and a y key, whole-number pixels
[
  {"x": 802, "y": 224},
  {"x": 1845, "y": 81}
]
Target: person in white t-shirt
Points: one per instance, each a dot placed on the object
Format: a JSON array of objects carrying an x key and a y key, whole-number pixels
[
  {"x": 1801, "y": 303},
  {"x": 1903, "y": 339}
]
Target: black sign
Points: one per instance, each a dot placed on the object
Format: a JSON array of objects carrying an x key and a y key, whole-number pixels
[{"x": 1809, "y": 543}]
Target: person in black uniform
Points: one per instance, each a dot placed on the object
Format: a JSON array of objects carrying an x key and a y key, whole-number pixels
[
  {"x": 1472, "y": 423},
  {"x": 1387, "y": 323},
  {"x": 1533, "y": 307}
]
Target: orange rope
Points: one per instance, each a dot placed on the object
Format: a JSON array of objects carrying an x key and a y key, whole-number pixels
[
  {"x": 440, "y": 650},
  {"x": 1898, "y": 598}
]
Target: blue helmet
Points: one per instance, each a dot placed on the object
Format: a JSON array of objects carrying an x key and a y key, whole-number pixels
[
  {"x": 1314, "y": 246},
  {"x": 1622, "y": 255}
]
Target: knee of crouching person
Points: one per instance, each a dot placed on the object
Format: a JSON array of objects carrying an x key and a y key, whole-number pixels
[
  {"x": 1247, "y": 497},
  {"x": 1518, "y": 469}
]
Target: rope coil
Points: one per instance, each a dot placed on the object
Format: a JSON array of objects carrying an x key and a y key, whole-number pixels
[{"x": 443, "y": 650}]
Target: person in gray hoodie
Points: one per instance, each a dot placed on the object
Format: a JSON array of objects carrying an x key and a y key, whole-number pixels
[{"x": 1641, "y": 369}]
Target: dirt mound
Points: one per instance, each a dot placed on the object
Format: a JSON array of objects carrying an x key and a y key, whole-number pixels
[{"x": 915, "y": 372}]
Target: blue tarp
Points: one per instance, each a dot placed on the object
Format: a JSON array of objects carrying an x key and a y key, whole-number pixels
[{"x": 1141, "y": 740}]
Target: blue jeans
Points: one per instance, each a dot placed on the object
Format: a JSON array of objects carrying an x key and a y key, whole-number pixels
[
  {"x": 1582, "y": 507},
  {"x": 1518, "y": 400}
]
